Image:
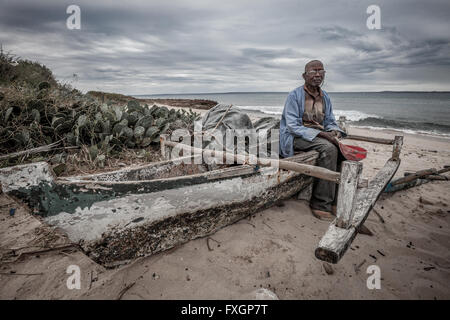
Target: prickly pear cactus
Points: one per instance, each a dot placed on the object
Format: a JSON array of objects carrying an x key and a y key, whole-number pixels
[{"x": 36, "y": 119}]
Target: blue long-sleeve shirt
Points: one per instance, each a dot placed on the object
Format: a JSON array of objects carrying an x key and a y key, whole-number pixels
[{"x": 291, "y": 124}]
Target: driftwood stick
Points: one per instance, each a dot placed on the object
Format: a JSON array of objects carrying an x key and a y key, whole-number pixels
[
  {"x": 358, "y": 267},
  {"x": 45, "y": 148},
  {"x": 414, "y": 176},
  {"x": 370, "y": 139},
  {"x": 437, "y": 177},
  {"x": 20, "y": 274},
  {"x": 124, "y": 290},
  {"x": 90, "y": 280},
  {"x": 413, "y": 179},
  {"x": 446, "y": 168},
  {"x": 62, "y": 247}
]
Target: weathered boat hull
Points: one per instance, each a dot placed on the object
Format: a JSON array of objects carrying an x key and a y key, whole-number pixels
[{"x": 136, "y": 212}]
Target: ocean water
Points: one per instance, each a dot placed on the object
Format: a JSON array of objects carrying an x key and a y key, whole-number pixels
[{"x": 412, "y": 112}]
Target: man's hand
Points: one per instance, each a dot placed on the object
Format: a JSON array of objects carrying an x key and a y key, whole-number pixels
[
  {"x": 330, "y": 136},
  {"x": 337, "y": 134}
]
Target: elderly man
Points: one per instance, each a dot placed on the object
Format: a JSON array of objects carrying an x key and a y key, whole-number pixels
[{"x": 307, "y": 124}]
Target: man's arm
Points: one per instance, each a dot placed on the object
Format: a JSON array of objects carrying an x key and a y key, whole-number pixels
[{"x": 294, "y": 120}]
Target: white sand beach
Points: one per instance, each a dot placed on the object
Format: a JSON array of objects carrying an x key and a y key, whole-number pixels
[{"x": 273, "y": 249}]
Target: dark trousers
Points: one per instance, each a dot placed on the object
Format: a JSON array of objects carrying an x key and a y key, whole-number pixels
[{"x": 323, "y": 196}]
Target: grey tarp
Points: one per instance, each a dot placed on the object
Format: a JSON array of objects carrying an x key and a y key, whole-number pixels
[{"x": 223, "y": 117}]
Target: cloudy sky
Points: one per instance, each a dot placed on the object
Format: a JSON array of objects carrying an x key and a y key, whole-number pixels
[{"x": 192, "y": 46}]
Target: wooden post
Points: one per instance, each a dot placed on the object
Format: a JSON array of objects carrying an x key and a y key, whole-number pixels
[
  {"x": 398, "y": 143},
  {"x": 350, "y": 174},
  {"x": 162, "y": 141},
  {"x": 342, "y": 122}
]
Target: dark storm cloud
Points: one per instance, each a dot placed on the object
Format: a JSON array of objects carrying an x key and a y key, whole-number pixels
[
  {"x": 433, "y": 51},
  {"x": 153, "y": 46},
  {"x": 355, "y": 40},
  {"x": 37, "y": 16}
]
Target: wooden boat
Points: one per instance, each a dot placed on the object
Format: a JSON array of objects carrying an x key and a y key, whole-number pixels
[{"x": 133, "y": 212}]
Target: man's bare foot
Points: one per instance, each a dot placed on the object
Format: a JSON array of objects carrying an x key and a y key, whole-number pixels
[{"x": 323, "y": 215}]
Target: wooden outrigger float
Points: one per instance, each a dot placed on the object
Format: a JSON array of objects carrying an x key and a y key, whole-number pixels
[
  {"x": 121, "y": 215},
  {"x": 354, "y": 204},
  {"x": 356, "y": 197}
]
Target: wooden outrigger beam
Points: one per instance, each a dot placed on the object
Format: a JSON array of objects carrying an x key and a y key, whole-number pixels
[
  {"x": 356, "y": 197},
  {"x": 370, "y": 139},
  {"x": 306, "y": 169},
  {"x": 310, "y": 170},
  {"x": 354, "y": 205}
]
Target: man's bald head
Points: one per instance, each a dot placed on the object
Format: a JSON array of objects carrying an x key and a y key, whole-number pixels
[{"x": 312, "y": 64}]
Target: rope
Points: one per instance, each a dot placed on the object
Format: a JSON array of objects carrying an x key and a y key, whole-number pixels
[
  {"x": 220, "y": 121},
  {"x": 202, "y": 133}
]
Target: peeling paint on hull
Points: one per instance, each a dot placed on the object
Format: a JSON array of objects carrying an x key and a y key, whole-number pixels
[{"x": 118, "y": 220}]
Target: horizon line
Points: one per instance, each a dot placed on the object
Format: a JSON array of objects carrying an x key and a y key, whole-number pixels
[{"x": 284, "y": 92}]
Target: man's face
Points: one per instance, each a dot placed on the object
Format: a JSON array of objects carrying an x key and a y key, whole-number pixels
[{"x": 314, "y": 74}]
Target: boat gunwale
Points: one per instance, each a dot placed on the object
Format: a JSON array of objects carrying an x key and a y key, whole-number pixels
[
  {"x": 70, "y": 181},
  {"x": 124, "y": 170}
]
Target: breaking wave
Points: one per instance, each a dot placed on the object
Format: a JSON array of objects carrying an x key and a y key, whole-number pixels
[
  {"x": 404, "y": 126},
  {"x": 351, "y": 115},
  {"x": 371, "y": 121}
]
